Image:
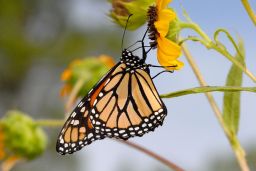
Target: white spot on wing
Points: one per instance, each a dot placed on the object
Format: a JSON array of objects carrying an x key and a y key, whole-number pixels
[
  {"x": 76, "y": 122},
  {"x": 80, "y": 104},
  {"x": 95, "y": 101},
  {"x": 73, "y": 114},
  {"x": 61, "y": 141},
  {"x": 82, "y": 110},
  {"x": 122, "y": 131},
  {"x": 90, "y": 135}
]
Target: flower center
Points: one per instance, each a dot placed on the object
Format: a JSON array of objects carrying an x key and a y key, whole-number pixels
[{"x": 152, "y": 32}]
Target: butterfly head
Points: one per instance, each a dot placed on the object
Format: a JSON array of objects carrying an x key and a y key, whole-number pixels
[{"x": 132, "y": 61}]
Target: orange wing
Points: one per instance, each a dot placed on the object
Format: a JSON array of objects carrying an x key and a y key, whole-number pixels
[
  {"x": 78, "y": 130},
  {"x": 128, "y": 105}
]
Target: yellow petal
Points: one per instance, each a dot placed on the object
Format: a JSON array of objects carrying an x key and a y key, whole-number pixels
[
  {"x": 2, "y": 152},
  {"x": 161, "y": 4},
  {"x": 167, "y": 63},
  {"x": 107, "y": 60},
  {"x": 164, "y": 19},
  {"x": 166, "y": 14},
  {"x": 66, "y": 75},
  {"x": 10, "y": 162},
  {"x": 168, "y": 47},
  {"x": 162, "y": 27},
  {"x": 66, "y": 89}
]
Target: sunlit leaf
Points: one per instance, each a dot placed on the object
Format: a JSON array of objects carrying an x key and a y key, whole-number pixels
[
  {"x": 231, "y": 101},
  {"x": 206, "y": 89}
]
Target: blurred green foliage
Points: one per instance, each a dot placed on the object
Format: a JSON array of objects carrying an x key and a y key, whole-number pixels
[
  {"x": 40, "y": 34},
  {"x": 89, "y": 70},
  {"x": 36, "y": 30},
  {"x": 223, "y": 162},
  {"x": 23, "y": 137}
]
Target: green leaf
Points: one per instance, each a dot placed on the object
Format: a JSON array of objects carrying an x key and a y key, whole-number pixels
[
  {"x": 231, "y": 101},
  {"x": 206, "y": 89}
]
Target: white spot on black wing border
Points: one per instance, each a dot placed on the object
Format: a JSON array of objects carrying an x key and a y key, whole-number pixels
[{"x": 77, "y": 120}]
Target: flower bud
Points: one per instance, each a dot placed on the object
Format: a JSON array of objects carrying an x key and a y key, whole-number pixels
[
  {"x": 89, "y": 70},
  {"x": 22, "y": 136},
  {"x": 121, "y": 9}
]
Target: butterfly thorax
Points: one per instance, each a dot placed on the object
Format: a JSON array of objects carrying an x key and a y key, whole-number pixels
[{"x": 132, "y": 62}]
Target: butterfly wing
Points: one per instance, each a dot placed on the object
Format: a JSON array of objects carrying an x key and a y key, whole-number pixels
[
  {"x": 128, "y": 105},
  {"x": 78, "y": 130}
]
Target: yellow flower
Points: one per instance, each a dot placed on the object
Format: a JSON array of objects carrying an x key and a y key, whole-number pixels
[
  {"x": 107, "y": 60},
  {"x": 159, "y": 18},
  {"x": 89, "y": 70},
  {"x": 121, "y": 9},
  {"x": 2, "y": 151}
]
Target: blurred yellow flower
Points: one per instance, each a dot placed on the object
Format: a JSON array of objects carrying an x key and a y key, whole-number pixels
[
  {"x": 20, "y": 139},
  {"x": 66, "y": 75},
  {"x": 2, "y": 151},
  {"x": 10, "y": 162},
  {"x": 107, "y": 60},
  {"x": 90, "y": 70},
  {"x": 159, "y": 18}
]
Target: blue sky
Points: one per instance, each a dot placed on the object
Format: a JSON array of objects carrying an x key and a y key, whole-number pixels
[{"x": 191, "y": 135}]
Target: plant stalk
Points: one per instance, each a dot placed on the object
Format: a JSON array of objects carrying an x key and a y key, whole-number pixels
[
  {"x": 234, "y": 142},
  {"x": 50, "y": 122},
  {"x": 161, "y": 159},
  {"x": 249, "y": 10},
  {"x": 205, "y": 89},
  {"x": 208, "y": 43}
]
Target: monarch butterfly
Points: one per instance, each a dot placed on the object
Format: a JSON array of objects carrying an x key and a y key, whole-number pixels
[{"x": 123, "y": 104}]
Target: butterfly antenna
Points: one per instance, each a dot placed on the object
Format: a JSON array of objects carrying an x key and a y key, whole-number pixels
[{"x": 125, "y": 30}]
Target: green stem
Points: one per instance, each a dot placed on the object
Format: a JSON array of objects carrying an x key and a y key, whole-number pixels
[
  {"x": 249, "y": 11},
  {"x": 208, "y": 43},
  {"x": 206, "y": 89},
  {"x": 50, "y": 122},
  {"x": 73, "y": 95},
  {"x": 198, "y": 29},
  {"x": 240, "y": 153},
  {"x": 216, "y": 34},
  {"x": 225, "y": 53},
  {"x": 234, "y": 142}
]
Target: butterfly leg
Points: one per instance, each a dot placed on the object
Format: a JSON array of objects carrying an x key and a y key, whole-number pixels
[{"x": 161, "y": 73}]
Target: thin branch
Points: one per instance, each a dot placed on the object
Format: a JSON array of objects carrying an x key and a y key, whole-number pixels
[
  {"x": 208, "y": 43},
  {"x": 10, "y": 162},
  {"x": 206, "y": 89},
  {"x": 237, "y": 148},
  {"x": 50, "y": 122},
  {"x": 249, "y": 11},
  {"x": 73, "y": 95},
  {"x": 161, "y": 159}
]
